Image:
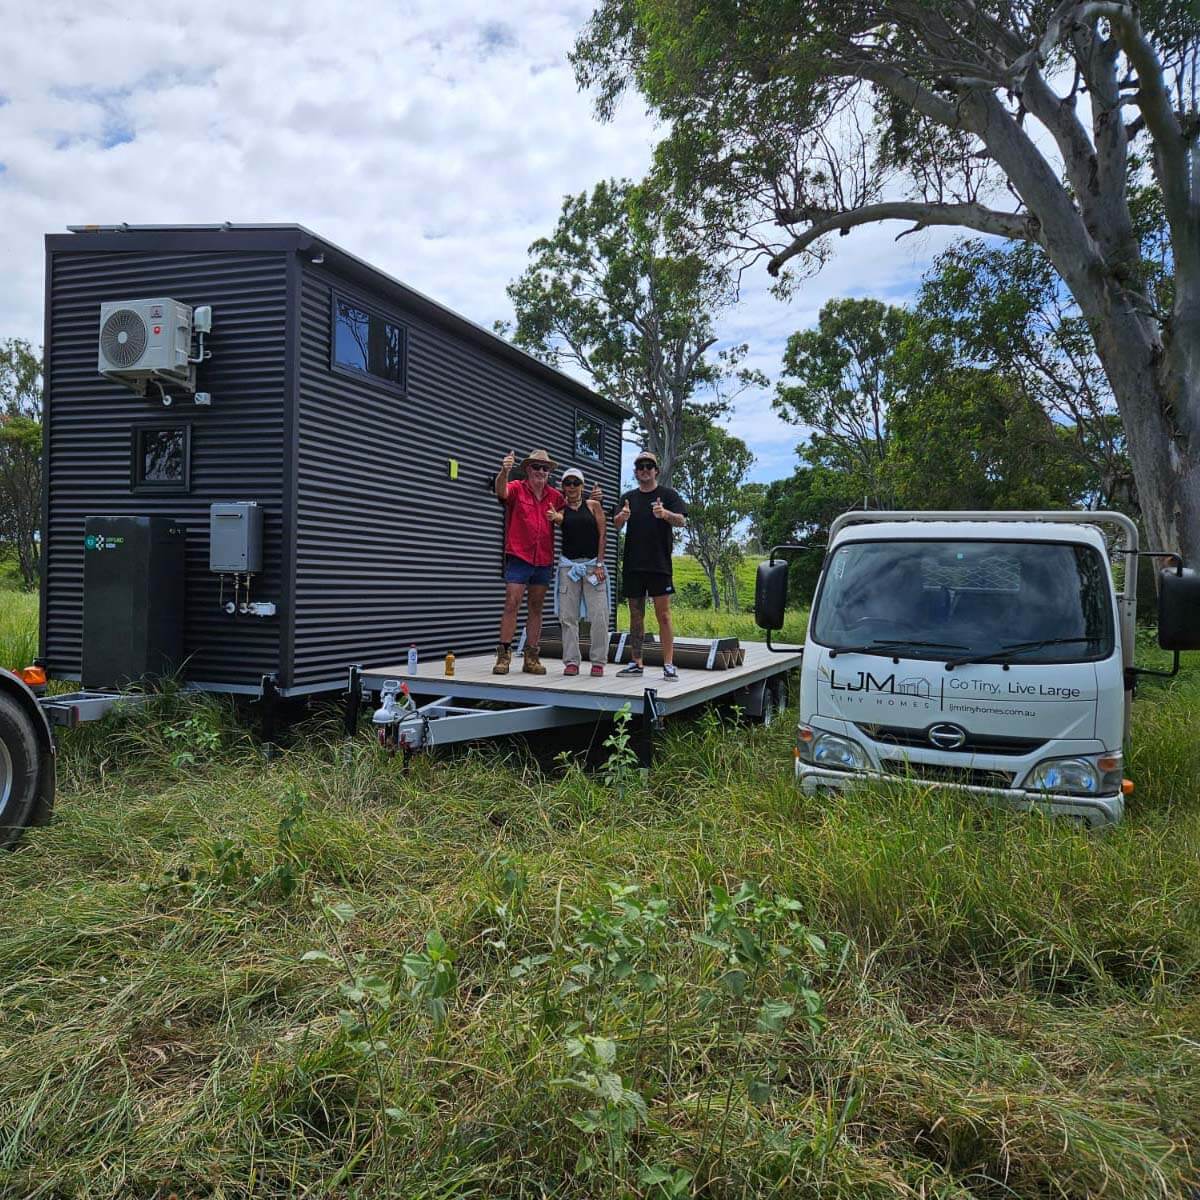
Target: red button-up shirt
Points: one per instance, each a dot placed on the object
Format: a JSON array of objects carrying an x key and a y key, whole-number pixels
[{"x": 530, "y": 535}]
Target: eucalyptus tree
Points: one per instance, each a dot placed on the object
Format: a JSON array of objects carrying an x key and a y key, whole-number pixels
[
  {"x": 21, "y": 453},
  {"x": 839, "y": 379},
  {"x": 617, "y": 293},
  {"x": 793, "y": 120},
  {"x": 711, "y": 476},
  {"x": 1003, "y": 307}
]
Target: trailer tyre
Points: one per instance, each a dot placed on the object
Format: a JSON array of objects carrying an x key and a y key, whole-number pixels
[{"x": 20, "y": 762}]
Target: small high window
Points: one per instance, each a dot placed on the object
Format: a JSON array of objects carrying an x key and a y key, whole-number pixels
[
  {"x": 589, "y": 437},
  {"x": 367, "y": 343},
  {"x": 161, "y": 458}
]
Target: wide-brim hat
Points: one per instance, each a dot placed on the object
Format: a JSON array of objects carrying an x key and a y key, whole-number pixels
[{"x": 538, "y": 456}]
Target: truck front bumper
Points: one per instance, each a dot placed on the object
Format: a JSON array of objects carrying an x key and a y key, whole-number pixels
[{"x": 1096, "y": 811}]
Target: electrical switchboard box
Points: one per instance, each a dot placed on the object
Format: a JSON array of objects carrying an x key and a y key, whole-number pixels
[
  {"x": 235, "y": 537},
  {"x": 133, "y": 600}
]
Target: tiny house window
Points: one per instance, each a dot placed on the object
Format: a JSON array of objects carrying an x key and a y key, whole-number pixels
[
  {"x": 366, "y": 343},
  {"x": 161, "y": 458},
  {"x": 589, "y": 437}
]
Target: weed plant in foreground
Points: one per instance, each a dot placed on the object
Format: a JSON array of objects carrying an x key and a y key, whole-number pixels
[{"x": 329, "y": 975}]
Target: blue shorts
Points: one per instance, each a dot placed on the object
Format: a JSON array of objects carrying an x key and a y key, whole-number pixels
[{"x": 517, "y": 570}]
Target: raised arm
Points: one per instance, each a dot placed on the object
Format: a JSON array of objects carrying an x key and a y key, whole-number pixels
[{"x": 502, "y": 475}]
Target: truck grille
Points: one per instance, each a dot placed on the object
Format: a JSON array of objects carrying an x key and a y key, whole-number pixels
[
  {"x": 938, "y": 773},
  {"x": 976, "y": 743}
]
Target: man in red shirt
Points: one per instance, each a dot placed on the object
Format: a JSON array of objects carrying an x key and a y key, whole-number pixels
[{"x": 528, "y": 553}]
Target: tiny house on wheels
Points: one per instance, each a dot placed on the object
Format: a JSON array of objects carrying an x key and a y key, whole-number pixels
[{"x": 267, "y": 459}]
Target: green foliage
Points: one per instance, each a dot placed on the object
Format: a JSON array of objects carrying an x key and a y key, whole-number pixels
[
  {"x": 969, "y": 439},
  {"x": 20, "y": 454},
  {"x": 790, "y": 121},
  {"x": 18, "y": 628},
  {"x": 799, "y": 510},
  {"x": 710, "y": 476},
  {"x": 487, "y": 977},
  {"x": 1005, "y": 310},
  {"x": 839, "y": 380},
  {"x": 619, "y": 295},
  {"x": 621, "y": 766}
]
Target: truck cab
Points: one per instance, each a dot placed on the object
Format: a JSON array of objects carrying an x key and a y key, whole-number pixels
[{"x": 988, "y": 652}]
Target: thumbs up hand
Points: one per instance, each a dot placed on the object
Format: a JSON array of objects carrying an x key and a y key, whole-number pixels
[
  {"x": 509, "y": 459},
  {"x": 657, "y": 509},
  {"x": 597, "y": 493},
  {"x": 556, "y": 517},
  {"x": 621, "y": 516}
]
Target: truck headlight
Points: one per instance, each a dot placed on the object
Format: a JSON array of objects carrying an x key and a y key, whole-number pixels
[
  {"x": 839, "y": 753},
  {"x": 1088, "y": 775}
]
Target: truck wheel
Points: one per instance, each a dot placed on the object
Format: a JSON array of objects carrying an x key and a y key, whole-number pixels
[
  {"x": 20, "y": 763},
  {"x": 772, "y": 702}
]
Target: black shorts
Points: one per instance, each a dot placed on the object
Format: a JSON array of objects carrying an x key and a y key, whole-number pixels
[{"x": 636, "y": 584}]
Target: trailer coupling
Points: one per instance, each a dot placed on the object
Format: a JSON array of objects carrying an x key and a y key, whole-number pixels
[{"x": 400, "y": 724}]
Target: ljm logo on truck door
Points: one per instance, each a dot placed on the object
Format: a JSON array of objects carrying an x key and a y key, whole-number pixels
[
  {"x": 865, "y": 681},
  {"x": 911, "y": 692}
]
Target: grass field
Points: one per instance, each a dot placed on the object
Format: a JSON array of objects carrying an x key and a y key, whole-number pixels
[{"x": 495, "y": 974}]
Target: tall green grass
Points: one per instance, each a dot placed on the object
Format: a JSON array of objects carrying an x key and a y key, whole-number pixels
[
  {"x": 18, "y": 628},
  {"x": 489, "y": 973}
]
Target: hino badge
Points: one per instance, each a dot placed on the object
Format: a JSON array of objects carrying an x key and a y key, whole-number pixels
[{"x": 985, "y": 651}]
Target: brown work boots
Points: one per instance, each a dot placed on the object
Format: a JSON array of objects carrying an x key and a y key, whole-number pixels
[{"x": 532, "y": 665}]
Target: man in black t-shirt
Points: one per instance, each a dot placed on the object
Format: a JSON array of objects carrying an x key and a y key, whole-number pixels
[{"x": 653, "y": 513}]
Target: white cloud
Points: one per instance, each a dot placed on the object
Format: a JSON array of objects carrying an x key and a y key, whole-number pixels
[{"x": 434, "y": 140}]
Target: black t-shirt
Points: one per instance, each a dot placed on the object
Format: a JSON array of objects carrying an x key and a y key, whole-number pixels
[{"x": 648, "y": 540}]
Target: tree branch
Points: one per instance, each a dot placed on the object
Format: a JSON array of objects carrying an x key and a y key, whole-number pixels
[{"x": 1016, "y": 226}]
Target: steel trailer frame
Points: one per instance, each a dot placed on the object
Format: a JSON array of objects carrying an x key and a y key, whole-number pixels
[{"x": 451, "y": 716}]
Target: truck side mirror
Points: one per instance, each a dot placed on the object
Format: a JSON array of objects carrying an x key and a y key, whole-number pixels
[
  {"x": 770, "y": 594},
  {"x": 1178, "y": 609}
]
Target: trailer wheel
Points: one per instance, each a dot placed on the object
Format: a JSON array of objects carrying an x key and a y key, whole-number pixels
[{"x": 20, "y": 764}]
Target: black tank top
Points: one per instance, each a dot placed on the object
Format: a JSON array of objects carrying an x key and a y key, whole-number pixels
[{"x": 580, "y": 536}]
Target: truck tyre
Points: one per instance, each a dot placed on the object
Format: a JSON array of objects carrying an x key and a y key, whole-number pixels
[
  {"x": 20, "y": 764},
  {"x": 772, "y": 702}
]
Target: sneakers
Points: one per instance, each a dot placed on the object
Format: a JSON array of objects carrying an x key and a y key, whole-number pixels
[
  {"x": 503, "y": 660},
  {"x": 533, "y": 664},
  {"x": 571, "y": 669},
  {"x": 670, "y": 671},
  {"x": 632, "y": 669},
  {"x": 597, "y": 668}
]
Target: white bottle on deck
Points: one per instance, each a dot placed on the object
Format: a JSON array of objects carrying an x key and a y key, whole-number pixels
[{"x": 412, "y": 659}]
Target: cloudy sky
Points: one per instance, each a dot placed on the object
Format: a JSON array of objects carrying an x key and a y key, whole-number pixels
[{"x": 431, "y": 139}]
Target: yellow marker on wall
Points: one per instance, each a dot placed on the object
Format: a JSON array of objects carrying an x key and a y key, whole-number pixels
[{"x": 453, "y": 468}]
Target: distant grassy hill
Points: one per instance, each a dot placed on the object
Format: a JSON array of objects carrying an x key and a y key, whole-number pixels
[{"x": 689, "y": 572}]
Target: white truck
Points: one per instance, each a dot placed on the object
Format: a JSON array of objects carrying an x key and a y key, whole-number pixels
[{"x": 990, "y": 652}]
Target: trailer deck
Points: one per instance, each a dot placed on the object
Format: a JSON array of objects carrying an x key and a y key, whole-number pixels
[
  {"x": 473, "y": 703},
  {"x": 473, "y": 680}
]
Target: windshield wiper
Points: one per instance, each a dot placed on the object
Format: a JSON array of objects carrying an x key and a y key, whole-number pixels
[
  {"x": 885, "y": 647},
  {"x": 1001, "y": 653}
]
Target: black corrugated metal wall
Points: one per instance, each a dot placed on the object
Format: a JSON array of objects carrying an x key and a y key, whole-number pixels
[
  {"x": 390, "y": 550},
  {"x": 368, "y": 543},
  {"x": 237, "y": 445}
]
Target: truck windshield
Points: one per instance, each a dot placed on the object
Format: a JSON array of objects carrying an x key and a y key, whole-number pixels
[{"x": 1031, "y": 601}]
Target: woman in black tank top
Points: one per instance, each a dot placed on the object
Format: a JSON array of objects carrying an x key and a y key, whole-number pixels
[
  {"x": 580, "y": 534},
  {"x": 582, "y": 575}
]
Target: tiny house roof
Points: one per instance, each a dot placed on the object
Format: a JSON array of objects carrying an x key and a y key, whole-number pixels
[{"x": 296, "y": 237}]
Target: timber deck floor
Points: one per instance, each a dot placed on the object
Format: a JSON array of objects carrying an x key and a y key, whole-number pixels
[{"x": 473, "y": 680}]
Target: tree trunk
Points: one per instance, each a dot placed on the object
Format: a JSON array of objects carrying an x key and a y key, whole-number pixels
[
  {"x": 1157, "y": 391},
  {"x": 712, "y": 584},
  {"x": 1164, "y": 447}
]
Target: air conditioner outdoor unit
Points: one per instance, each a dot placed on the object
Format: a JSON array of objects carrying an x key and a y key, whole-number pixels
[{"x": 147, "y": 340}]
